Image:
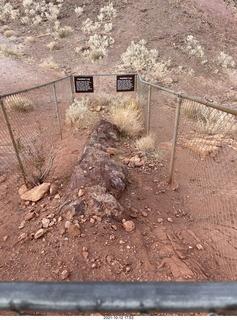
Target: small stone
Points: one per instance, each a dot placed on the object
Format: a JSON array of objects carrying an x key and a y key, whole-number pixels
[
  {"x": 65, "y": 274},
  {"x": 60, "y": 219},
  {"x": 74, "y": 230},
  {"x": 170, "y": 220},
  {"x": 151, "y": 165},
  {"x": 111, "y": 151},
  {"x": 5, "y": 238},
  {"x": 81, "y": 193},
  {"x": 39, "y": 233},
  {"x": 199, "y": 246},
  {"x": 144, "y": 213},
  {"x": 21, "y": 226},
  {"x": 22, "y": 189},
  {"x": 112, "y": 237},
  {"x": 36, "y": 193},
  {"x": 133, "y": 215},
  {"x": 84, "y": 249},
  {"x": 45, "y": 223},
  {"x": 83, "y": 235},
  {"x": 51, "y": 216},
  {"x": 22, "y": 236},
  {"x": 53, "y": 190},
  {"x": 57, "y": 196},
  {"x": 114, "y": 227},
  {"x": 99, "y": 108},
  {"x": 94, "y": 266},
  {"x": 67, "y": 224},
  {"x": 129, "y": 226},
  {"x": 127, "y": 269},
  {"x": 85, "y": 255},
  {"x": 62, "y": 231},
  {"x": 92, "y": 220},
  {"x": 160, "y": 220}
]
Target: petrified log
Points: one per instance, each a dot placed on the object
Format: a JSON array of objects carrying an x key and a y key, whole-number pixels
[{"x": 97, "y": 181}]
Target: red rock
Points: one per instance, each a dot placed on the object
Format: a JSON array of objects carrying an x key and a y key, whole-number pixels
[
  {"x": 53, "y": 190},
  {"x": 22, "y": 189},
  {"x": 129, "y": 226},
  {"x": 36, "y": 193},
  {"x": 144, "y": 213},
  {"x": 65, "y": 274},
  {"x": 160, "y": 220},
  {"x": 39, "y": 233},
  {"x": 74, "y": 230}
]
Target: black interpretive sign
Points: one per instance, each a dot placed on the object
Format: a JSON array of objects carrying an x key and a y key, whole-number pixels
[
  {"x": 84, "y": 84},
  {"x": 126, "y": 83}
]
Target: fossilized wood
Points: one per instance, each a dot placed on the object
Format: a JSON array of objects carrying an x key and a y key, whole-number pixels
[{"x": 97, "y": 181}]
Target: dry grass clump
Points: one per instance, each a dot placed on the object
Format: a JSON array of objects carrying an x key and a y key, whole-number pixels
[
  {"x": 146, "y": 145},
  {"x": 128, "y": 118},
  {"x": 12, "y": 52},
  {"x": 140, "y": 59},
  {"x": 210, "y": 120},
  {"x": 18, "y": 103},
  {"x": 64, "y": 32},
  {"x": 107, "y": 13},
  {"x": 53, "y": 46},
  {"x": 48, "y": 63},
  {"x": 225, "y": 60},
  {"x": 9, "y": 33},
  {"x": 78, "y": 114}
]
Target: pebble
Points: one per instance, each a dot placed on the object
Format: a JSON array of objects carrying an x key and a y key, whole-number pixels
[
  {"x": 53, "y": 190},
  {"x": 57, "y": 196},
  {"x": 170, "y": 220},
  {"x": 45, "y": 223},
  {"x": 81, "y": 193},
  {"x": 160, "y": 220},
  {"x": 129, "y": 226},
  {"x": 144, "y": 213},
  {"x": 199, "y": 246},
  {"x": 114, "y": 227},
  {"x": 39, "y": 233},
  {"x": 65, "y": 274},
  {"x": 22, "y": 236},
  {"x": 74, "y": 230},
  {"x": 67, "y": 224},
  {"x": 92, "y": 220},
  {"x": 85, "y": 255},
  {"x": 5, "y": 238}
]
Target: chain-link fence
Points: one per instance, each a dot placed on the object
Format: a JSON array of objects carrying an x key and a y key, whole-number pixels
[{"x": 197, "y": 140}]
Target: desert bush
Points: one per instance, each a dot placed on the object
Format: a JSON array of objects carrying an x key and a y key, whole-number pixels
[
  {"x": 140, "y": 59},
  {"x": 210, "y": 120},
  {"x": 107, "y": 12},
  {"x": 78, "y": 114},
  {"x": 146, "y": 143},
  {"x": 225, "y": 60},
  {"x": 64, "y": 32},
  {"x": 90, "y": 27},
  {"x": 9, "y": 33},
  {"x": 48, "y": 63},
  {"x": 128, "y": 118},
  {"x": 12, "y": 52},
  {"x": 36, "y": 12},
  {"x": 192, "y": 47},
  {"x": 7, "y": 12},
  {"x": 79, "y": 11},
  {"x": 53, "y": 46},
  {"x": 18, "y": 103}
]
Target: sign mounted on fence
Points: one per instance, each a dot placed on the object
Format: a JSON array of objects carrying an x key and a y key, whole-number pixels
[
  {"x": 84, "y": 84},
  {"x": 126, "y": 83}
]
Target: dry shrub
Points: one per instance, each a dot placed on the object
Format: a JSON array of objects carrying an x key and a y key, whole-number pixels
[
  {"x": 53, "y": 46},
  {"x": 128, "y": 118},
  {"x": 48, "y": 63},
  {"x": 18, "y": 103},
  {"x": 9, "y": 33},
  {"x": 225, "y": 60},
  {"x": 146, "y": 144},
  {"x": 64, "y": 32},
  {"x": 79, "y": 115},
  {"x": 12, "y": 52}
]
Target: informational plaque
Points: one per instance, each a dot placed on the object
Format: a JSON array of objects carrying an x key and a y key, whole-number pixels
[
  {"x": 125, "y": 83},
  {"x": 83, "y": 84}
]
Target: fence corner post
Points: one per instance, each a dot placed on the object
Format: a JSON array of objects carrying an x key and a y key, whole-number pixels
[
  {"x": 57, "y": 111},
  {"x": 13, "y": 141},
  {"x": 149, "y": 109},
  {"x": 71, "y": 84},
  {"x": 175, "y": 139}
]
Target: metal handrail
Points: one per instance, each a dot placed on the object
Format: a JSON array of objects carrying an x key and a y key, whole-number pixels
[{"x": 144, "y": 297}]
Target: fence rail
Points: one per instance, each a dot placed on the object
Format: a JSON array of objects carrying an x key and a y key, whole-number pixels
[{"x": 119, "y": 297}]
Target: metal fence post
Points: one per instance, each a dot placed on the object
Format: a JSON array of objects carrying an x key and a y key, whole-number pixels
[
  {"x": 56, "y": 103},
  {"x": 174, "y": 139},
  {"x": 72, "y": 90},
  {"x": 149, "y": 109},
  {"x": 13, "y": 141}
]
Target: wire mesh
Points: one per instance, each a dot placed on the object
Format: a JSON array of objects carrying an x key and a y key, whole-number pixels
[{"x": 205, "y": 166}]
